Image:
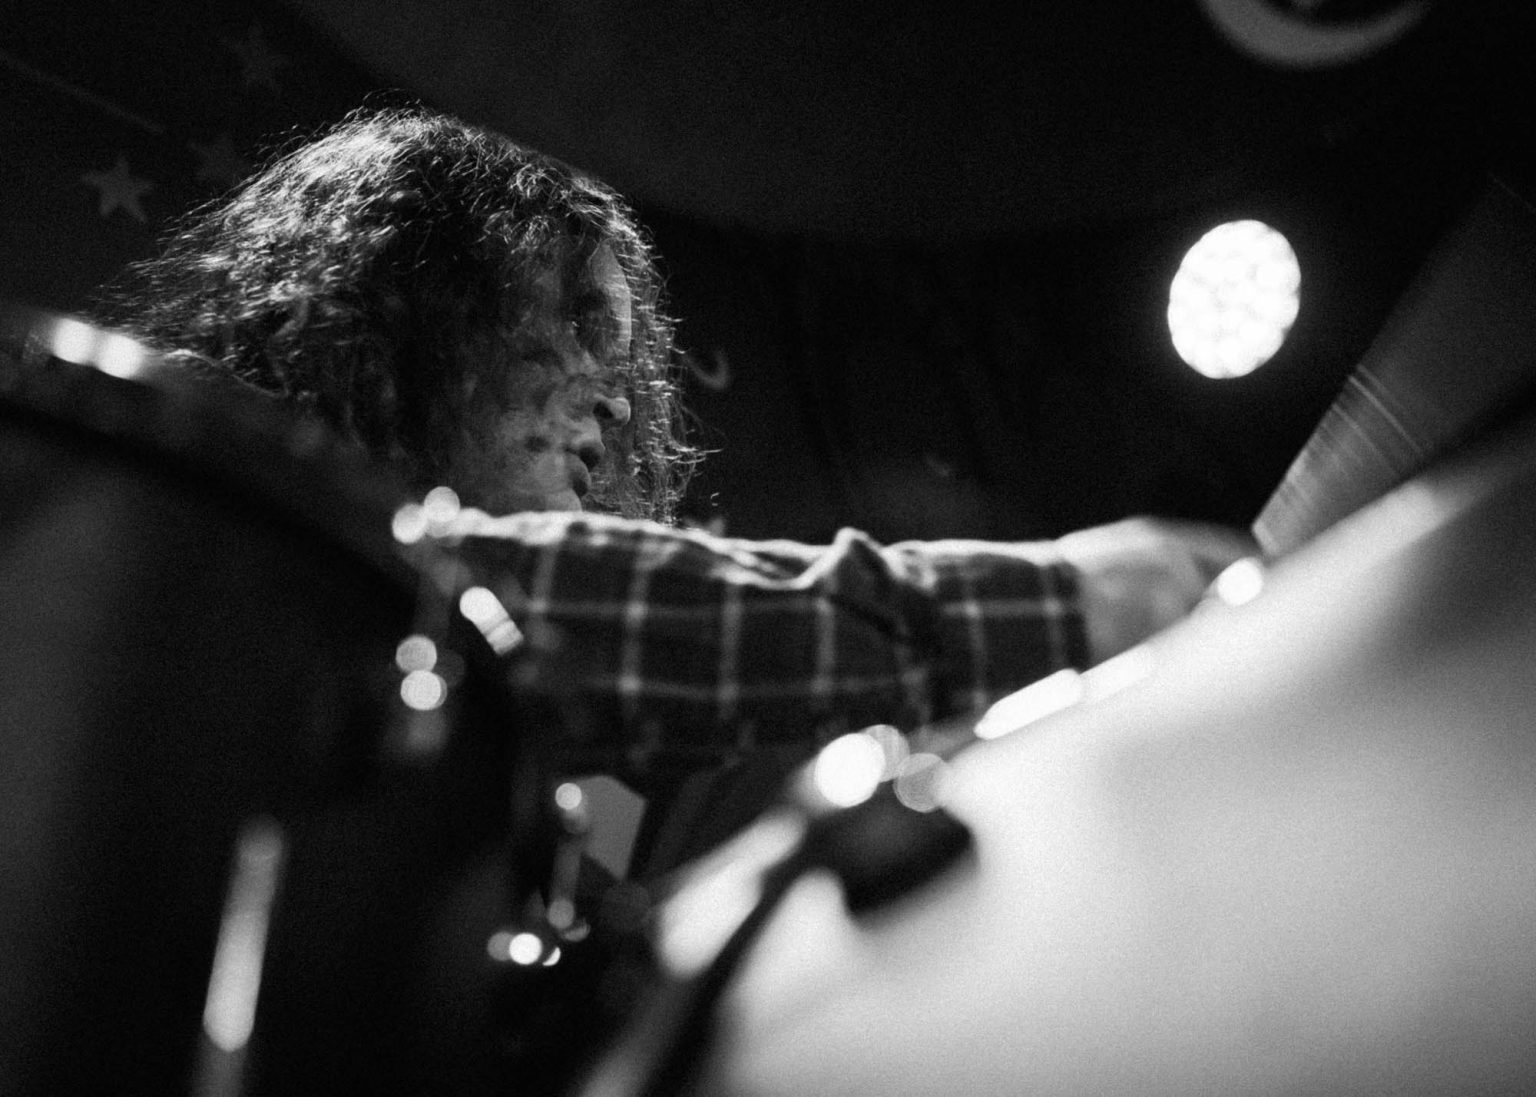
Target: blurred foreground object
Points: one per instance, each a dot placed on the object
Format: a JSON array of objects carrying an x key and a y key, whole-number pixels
[
  {"x": 232, "y": 834},
  {"x": 1296, "y": 855}
]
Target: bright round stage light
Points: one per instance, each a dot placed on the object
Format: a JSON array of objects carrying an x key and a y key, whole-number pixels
[{"x": 1234, "y": 299}]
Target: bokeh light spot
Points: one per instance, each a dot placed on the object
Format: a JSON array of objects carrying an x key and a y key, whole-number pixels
[
  {"x": 520, "y": 948},
  {"x": 920, "y": 782},
  {"x": 568, "y": 795},
  {"x": 1240, "y": 582},
  {"x": 73, "y": 341},
  {"x": 1034, "y": 702},
  {"x": 485, "y": 611},
  {"x": 441, "y": 506},
  {"x": 409, "y": 524},
  {"x": 1234, "y": 298},
  {"x": 416, "y": 653},
  {"x": 849, "y": 769},
  {"x": 422, "y": 690},
  {"x": 120, "y": 356}
]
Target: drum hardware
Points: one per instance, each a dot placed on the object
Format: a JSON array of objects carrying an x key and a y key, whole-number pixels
[
  {"x": 879, "y": 849},
  {"x": 550, "y": 836},
  {"x": 550, "y": 916},
  {"x": 561, "y": 950}
]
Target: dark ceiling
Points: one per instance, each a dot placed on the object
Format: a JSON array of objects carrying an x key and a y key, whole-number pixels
[
  {"x": 940, "y": 120},
  {"x": 913, "y": 184}
]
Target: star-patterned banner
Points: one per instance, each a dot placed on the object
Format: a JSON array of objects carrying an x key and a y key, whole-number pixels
[{"x": 120, "y": 120}]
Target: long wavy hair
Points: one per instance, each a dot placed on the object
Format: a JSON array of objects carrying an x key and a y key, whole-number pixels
[{"x": 373, "y": 274}]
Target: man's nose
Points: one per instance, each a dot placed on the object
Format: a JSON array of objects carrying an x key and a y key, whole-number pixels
[{"x": 592, "y": 416}]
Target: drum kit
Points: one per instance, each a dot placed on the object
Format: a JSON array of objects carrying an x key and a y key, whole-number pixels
[{"x": 276, "y": 819}]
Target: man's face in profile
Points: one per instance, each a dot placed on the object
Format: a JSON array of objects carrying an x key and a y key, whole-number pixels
[{"x": 537, "y": 442}]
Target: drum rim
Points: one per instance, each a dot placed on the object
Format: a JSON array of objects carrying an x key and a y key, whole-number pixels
[{"x": 208, "y": 428}]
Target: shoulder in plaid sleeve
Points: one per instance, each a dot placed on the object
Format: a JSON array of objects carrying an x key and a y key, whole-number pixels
[
  {"x": 1005, "y": 615},
  {"x": 671, "y": 647}
]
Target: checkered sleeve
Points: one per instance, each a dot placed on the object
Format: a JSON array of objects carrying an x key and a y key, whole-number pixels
[
  {"x": 667, "y": 646},
  {"x": 1003, "y": 614}
]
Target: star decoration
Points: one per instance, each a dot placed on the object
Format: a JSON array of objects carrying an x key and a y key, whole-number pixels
[
  {"x": 219, "y": 162},
  {"x": 259, "y": 62},
  {"x": 120, "y": 189}
]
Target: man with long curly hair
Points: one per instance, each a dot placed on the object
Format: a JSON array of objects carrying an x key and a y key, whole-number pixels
[
  {"x": 479, "y": 315},
  {"x": 471, "y": 312}
]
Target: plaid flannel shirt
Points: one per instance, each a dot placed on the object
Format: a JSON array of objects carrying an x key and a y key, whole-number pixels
[{"x": 664, "y": 645}]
